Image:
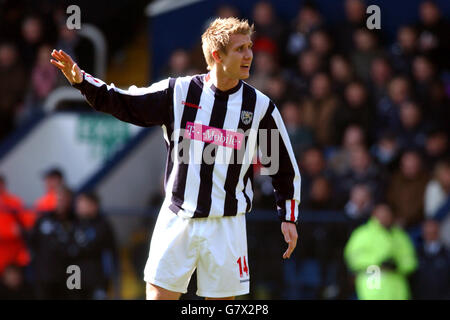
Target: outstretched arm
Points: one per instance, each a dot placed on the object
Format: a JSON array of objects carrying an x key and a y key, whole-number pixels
[{"x": 140, "y": 106}]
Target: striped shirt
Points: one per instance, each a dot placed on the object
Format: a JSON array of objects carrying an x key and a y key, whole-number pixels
[{"x": 212, "y": 137}]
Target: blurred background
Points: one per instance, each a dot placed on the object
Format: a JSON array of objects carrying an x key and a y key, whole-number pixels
[{"x": 367, "y": 112}]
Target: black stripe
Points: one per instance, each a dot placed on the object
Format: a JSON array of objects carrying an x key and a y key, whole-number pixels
[
  {"x": 169, "y": 130},
  {"x": 248, "y": 175},
  {"x": 193, "y": 96},
  {"x": 234, "y": 169},
  {"x": 217, "y": 120},
  {"x": 282, "y": 180}
]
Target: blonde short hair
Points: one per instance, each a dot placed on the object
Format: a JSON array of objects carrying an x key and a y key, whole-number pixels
[{"x": 217, "y": 36}]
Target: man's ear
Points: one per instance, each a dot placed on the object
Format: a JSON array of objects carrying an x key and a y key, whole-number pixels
[{"x": 216, "y": 56}]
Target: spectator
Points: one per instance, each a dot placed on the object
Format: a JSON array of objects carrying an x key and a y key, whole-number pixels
[
  {"x": 308, "y": 64},
  {"x": 341, "y": 72},
  {"x": 321, "y": 43},
  {"x": 387, "y": 114},
  {"x": 312, "y": 164},
  {"x": 300, "y": 135},
  {"x": 96, "y": 251},
  {"x": 433, "y": 37},
  {"x": 412, "y": 132},
  {"x": 362, "y": 171},
  {"x": 179, "y": 64},
  {"x": 406, "y": 190},
  {"x": 53, "y": 179},
  {"x": 13, "y": 285},
  {"x": 356, "y": 109},
  {"x": 437, "y": 111},
  {"x": 318, "y": 110},
  {"x": 355, "y": 18},
  {"x": 308, "y": 19},
  {"x": 386, "y": 150},
  {"x": 360, "y": 205},
  {"x": 339, "y": 160},
  {"x": 268, "y": 29},
  {"x": 436, "y": 146},
  {"x": 380, "y": 75},
  {"x": 44, "y": 79},
  {"x": 366, "y": 50},
  {"x": 32, "y": 39},
  {"x": 320, "y": 197},
  {"x": 431, "y": 281},
  {"x": 424, "y": 75},
  {"x": 265, "y": 67},
  {"x": 14, "y": 222},
  {"x": 382, "y": 244},
  {"x": 12, "y": 86},
  {"x": 437, "y": 198},
  {"x": 403, "y": 51},
  {"x": 52, "y": 247}
]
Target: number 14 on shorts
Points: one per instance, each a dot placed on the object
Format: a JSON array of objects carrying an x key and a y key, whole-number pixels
[{"x": 242, "y": 263}]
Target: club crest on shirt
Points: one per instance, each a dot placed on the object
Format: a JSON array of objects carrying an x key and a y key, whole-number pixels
[{"x": 246, "y": 117}]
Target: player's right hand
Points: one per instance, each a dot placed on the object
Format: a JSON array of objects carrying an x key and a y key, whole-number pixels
[{"x": 67, "y": 66}]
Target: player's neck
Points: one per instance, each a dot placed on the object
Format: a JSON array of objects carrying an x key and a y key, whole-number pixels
[{"x": 221, "y": 81}]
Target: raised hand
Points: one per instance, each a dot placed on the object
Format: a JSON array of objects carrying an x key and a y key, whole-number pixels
[{"x": 67, "y": 66}]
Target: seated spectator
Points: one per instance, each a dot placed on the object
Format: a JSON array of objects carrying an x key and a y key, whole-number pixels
[
  {"x": 14, "y": 222},
  {"x": 403, "y": 51},
  {"x": 320, "y": 196},
  {"x": 381, "y": 244},
  {"x": 300, "y": 135},
  {"x": 362, "y": 171},
  {"x": 437, "y": 111},
  {"x": 366, "y": 50},
  {"x": 385, "y": 151},
  {"x": 412, "y": 131},
  {"x": 53, "y": 179},
  {"x": 12, "y": 87},
  {"x": 267, "y": 26},
  {"x": 96, "y": 249},
  {"x": 436, "y": 146},
  {"x": 356, "y": 109},
  {"x": 32, "y": 38},
  {"x": 355, "y": 18},
  {"x": 179, "y": 64},
  {"x": 431, "y": 281},
  {"x": 339, "y": 160},
  {"x": 406, "y": 190},
  {"x": 44, "y": 79},
  {"x": 341, "y": 73},
  {"x": 52, "y": 247},
  {"x": 312, "y": 165},
  {"x": 380, "y": 75},
  {"x": 321, "y": 43},
  {"x": 387, "y": 114},
  {"x": 308, "y": 64},
  {"x": 437, "y": 199},
  {"x": 307, "y": 19},
  {"x": 424, "y": 74},
  {"x": 318, "y": 110},
  {"x": 13, "y": 285},
  {"x": 264, "y": 67},
  {"x": 433, "y": 37},
  {"x": 360, "y": 204}
]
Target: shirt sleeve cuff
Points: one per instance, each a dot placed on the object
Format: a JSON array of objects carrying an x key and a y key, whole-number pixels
[{"x": 290, "y": 211}]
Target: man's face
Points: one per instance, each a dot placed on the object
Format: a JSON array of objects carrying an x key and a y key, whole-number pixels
[{"x": 238, "y": 58}]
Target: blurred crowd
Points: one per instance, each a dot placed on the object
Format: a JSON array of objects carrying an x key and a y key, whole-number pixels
[
  {"x": 368, "y": 120},
  {"x": 39, "y": 244}
]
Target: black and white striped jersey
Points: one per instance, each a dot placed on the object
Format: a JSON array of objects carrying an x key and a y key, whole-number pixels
[{"x": 212, "y": 138}]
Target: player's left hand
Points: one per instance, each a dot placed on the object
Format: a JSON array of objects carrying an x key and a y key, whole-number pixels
[{"x": 289, "y": 231}]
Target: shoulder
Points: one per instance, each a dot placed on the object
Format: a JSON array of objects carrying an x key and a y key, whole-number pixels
[{"x": 186, "y": 80}]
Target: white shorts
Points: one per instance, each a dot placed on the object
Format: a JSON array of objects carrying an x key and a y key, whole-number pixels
[{"x": 217, "y": 247}]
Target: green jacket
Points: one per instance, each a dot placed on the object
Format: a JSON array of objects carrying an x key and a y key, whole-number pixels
[{"x": 370, "y": 246}]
